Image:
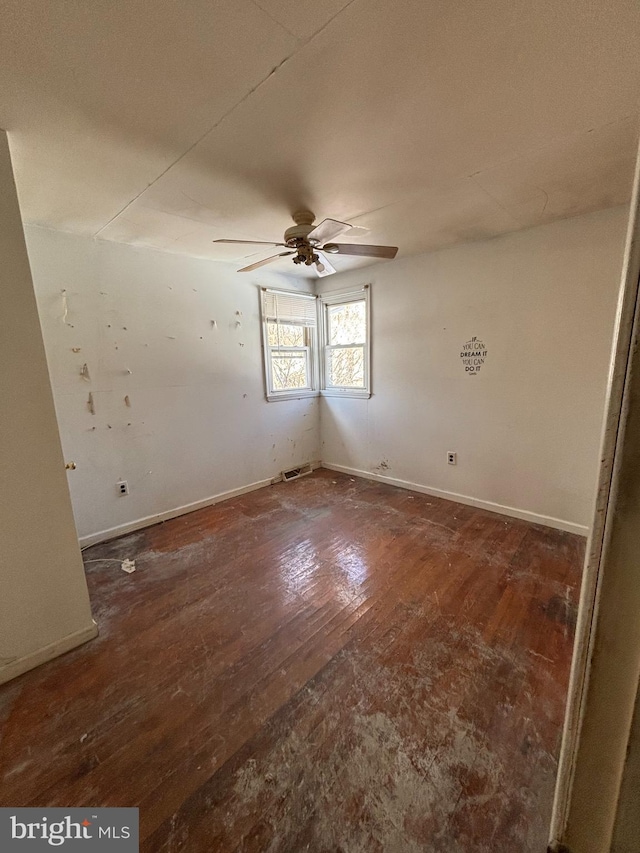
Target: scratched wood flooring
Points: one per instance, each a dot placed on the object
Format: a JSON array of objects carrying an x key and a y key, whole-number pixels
[{"x": 324, "y": 665}]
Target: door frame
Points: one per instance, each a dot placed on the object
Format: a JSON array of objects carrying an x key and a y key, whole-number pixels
[{"x": 588, "y": 780}]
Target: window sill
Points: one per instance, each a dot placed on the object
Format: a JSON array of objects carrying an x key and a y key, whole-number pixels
[
  {"x": 293, "y": 395},
  {"x": 353, "y": 394}
]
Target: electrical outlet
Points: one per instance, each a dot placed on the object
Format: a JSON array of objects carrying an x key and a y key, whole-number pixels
[
  {"x": 123, "y": 487},
  {"x": 452, "y": 458}
]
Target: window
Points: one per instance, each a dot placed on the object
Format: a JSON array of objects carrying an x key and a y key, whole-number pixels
[
  {"x": 345, "y": 330},
  {"x": 289, "y": 336}
]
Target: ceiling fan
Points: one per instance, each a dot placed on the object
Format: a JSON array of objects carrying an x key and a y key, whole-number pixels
[{"x": 307, "y": 242}]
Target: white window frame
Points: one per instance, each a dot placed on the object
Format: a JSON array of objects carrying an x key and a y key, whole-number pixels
[
  {"x": 333, "y": 299},
  {"x": 311, "y": 350}
]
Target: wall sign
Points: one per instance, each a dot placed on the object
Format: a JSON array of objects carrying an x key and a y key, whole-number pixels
[{"x": 473, "y": 355}]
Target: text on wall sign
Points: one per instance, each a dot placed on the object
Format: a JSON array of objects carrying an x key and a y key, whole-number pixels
[{"x": 473, "y": 355}]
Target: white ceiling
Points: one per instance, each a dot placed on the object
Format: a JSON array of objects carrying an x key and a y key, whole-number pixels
[{"x": 429, "y": 122}]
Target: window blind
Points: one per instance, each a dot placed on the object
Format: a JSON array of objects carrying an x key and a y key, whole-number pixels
[{"x": 280, "y": 307}]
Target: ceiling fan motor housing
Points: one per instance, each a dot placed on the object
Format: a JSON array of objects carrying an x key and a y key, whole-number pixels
[{"x": 295, "y": 236}]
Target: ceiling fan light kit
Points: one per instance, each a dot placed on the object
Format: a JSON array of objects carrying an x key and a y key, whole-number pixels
[{"x": 307, "y": 242}]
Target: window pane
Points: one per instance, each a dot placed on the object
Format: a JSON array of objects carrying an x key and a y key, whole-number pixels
[
  {"x": 289, "y": 370},
  {"x": 346, "y": 367},
  {"x": 285, "y": 335},
  {"x": 347, "y": 323}
]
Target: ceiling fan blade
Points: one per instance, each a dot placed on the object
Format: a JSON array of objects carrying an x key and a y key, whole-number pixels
[
  {"x": 251, "y": 242},
  {"x": 327, "y": 230},
  {"x": 355, "y": 249},
  {"x": 265, "y": 261},
  {"x": 323, "y": 267}
]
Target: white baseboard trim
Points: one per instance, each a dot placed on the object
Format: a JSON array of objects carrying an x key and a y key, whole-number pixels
[
  {"x": 21, "y": 665},
  {"x": 525, "y": 515},
  {"x": 147, "y": 521}
]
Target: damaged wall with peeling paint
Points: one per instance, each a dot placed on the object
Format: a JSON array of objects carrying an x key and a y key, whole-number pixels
[
  {"x": 44, "y": 604},
  {"x": 158, "y": 380},
  {"x": 156, "y": 368},
  {"x": 526, "y": 428}
]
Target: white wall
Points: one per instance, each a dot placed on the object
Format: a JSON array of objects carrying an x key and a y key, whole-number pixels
[
  {"x": 44, "y": 605},
  {"x": 526, "y": 428},
  {"x": 198, "y": 424}
]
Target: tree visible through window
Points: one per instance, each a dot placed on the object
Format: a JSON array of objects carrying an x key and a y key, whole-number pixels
[
  {"x": 347, "y": 338},
  {"x": 290, "y": 343},
  {"x": 290, "y": 321},
  {"x": 346, "y": 344},
  {"x": 290, "y": 347}
]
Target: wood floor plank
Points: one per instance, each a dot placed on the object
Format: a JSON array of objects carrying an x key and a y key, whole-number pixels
[{"x": 327, "y": 664}]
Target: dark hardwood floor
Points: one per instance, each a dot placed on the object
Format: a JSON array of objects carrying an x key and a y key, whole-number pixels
[{"x": 328, "y": 664}]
